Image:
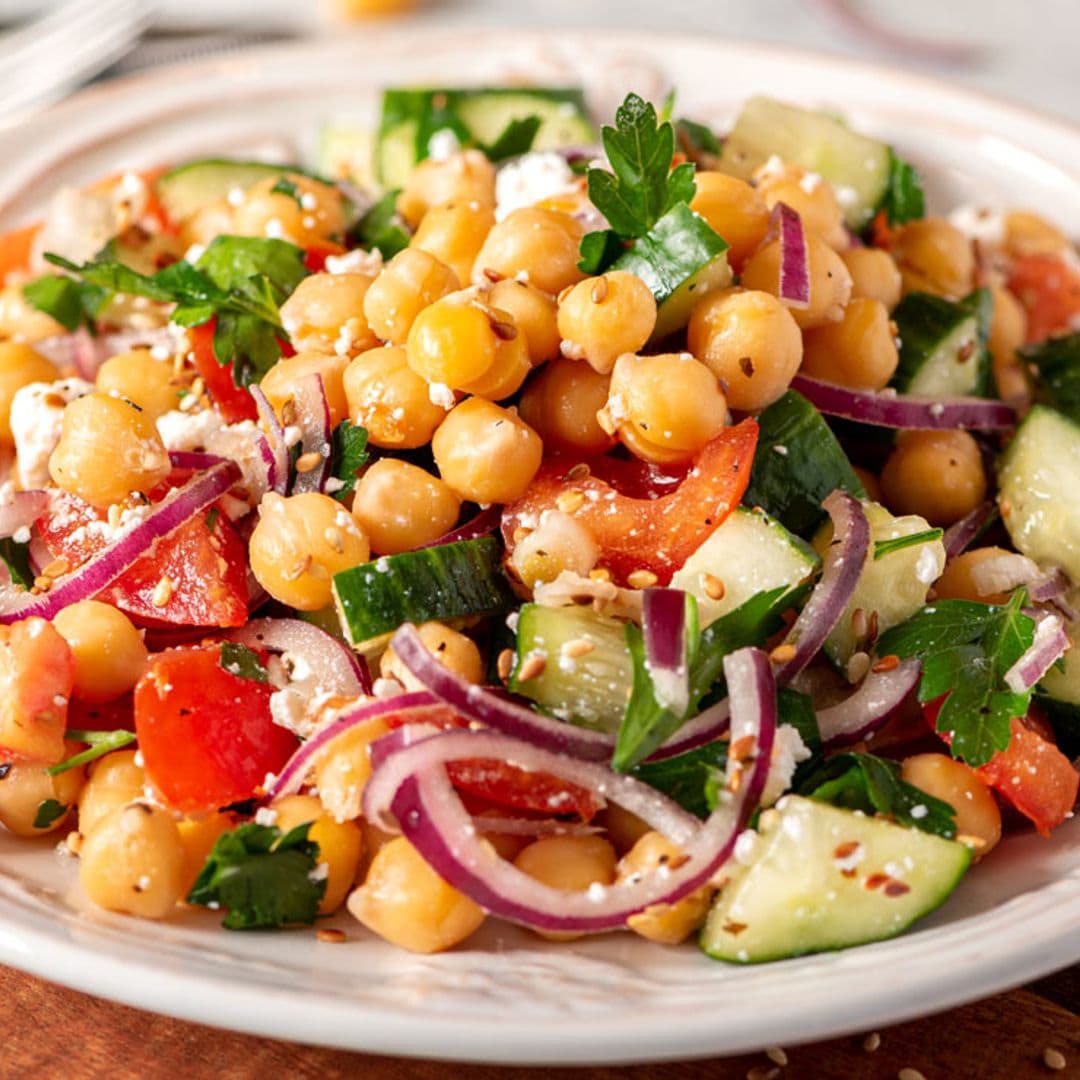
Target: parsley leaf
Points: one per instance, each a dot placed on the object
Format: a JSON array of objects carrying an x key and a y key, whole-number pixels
[
  {"x": 98, "y": 744},
  {"x": 516, "y": 138},
  {"x": 599, "y": 250},
  {"x": 242, "y": 662},
  {"x": 264, "y": 879},
  {"x": 1057, "y": 361},
  {"x": 966, "y": 649},
  {"x": 16, "y": 557},
  {"x": 685, "y": 778},
  {"x": 696, "y": 140},
  {"x": 903, "y": 199},
  {"x": 898, "y": 543},
  {"x": 285, "y": 186},
  {"x": 211, "y": 518},
  {"x": 49, "y": 811},
  {"x": 349, "y": 452},
  {"x": 873, "y": 785},
  {"x": 71, "y": 303},
  {"x": 382, "y": 228}
]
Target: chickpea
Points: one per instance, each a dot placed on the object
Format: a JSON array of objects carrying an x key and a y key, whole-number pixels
[
  {"x": 561, "y": 403},
  {"x": 454, "y": 232},
  {"x": 830, "y": 282},
  {"x": 451, "y": 648},
  {"x": 208, "y": 222},
  {"x": 144, "y": 381},
  {"x": 978, "y": 819},
  {"x": 314, "y": 214},
  {"x": 326, "y": 314},
  {"x": 465, "y": 177},
  {"x": 300, "y": 543},
  {"x": 20, "y": 365},
  {"x": 401, "y": 507},
  {"x": 108, "y": 448},
  {"x": 811, "y": 197},
  {"x": 858, "y": 351},
  {"x": 934, "y": 257},
  {"x": 114, "y": 781},
  {"x": 409, "y": 282},
  {"x": 511, "y": 366},
  {"x": 1029, "y": 234},
  {"x": 486, "y": 453},
  {"x": 22, "y": 322},
  {"x": 602, "y": 318},
  {"x": 735, "y": 210},
  {"x": 666, "y": 407},
  {"x": 340, "y": 844},
  {"x": 871, "y": 484},
  {"x": 540, "y": 243},
  {"x": 559, "y": 543},
  {"x": 623, "y": 828},
  {"x": 390, "y": 400},
  {"x": 668, "y": 924},
  {"x": 874, "y": 275},
  {"x": 279, "y": 383},
  {"x": 109, "y": 652},
  {"x": 404, "y": 901},
  {"x": 198, "y": 836},
  {"x": 26, "y": 785},
  {"x": 572, "y": 863},
  {"x": 533, "y": 312},
  {"x": 453, "y": 342},
  {"x": 750, "y": 341},
  {"x": 1008, "y": 331},
  {"x": 341, "y": 772},
  {"x": 958, "y": 582},
  {"x": 133, "y": 862},
  {"x": 936, "y": 474}
]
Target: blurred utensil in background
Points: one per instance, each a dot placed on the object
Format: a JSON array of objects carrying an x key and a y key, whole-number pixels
[{"x": 45, "y": 59}]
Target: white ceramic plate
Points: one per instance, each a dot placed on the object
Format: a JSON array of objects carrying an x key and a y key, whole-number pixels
[{"x": 508, "y": 997}]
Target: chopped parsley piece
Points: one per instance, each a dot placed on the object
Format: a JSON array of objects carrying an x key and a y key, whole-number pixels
[
  {"x": 696, "y": 139},
  {"x": 898, "y": 543},
  {"x": 71, "y": 303},
  {"x": 99, "y": 743},
  {"x": 212, "y": 519},
  {"x": 514, "y": 139},
  {"x": 1057, "y": 361},
  {"x": 49, "y": 812},
  {"x": 687, "y": 778},
  {"x": 349, "y": 452},
  {"x": 16, "y": 557},
  {"x": 382, "y": 228},
  {"x": 285, "y": 186},
  {"x": 242, "y": 662},
  {"x": 903, "y": 199},
  {"x": 262, "y": 878}
]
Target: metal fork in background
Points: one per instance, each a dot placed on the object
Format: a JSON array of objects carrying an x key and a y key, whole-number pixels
[{"x": 45, "y": 59}]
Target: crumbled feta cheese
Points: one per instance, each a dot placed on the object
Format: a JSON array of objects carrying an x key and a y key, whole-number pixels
[
  {"x": 440, "y": 394},
  {"x": 810, "y": 182},
  {"x": 265, "y": 816},
  {"x": 243, "y": 443},
  {"x": 979, "y": 223},
  {"x": 788, "y": 751},
  {"x": 357, "y": 261},
  {"x": 443, "y": 144},
  {"x": 530, "y": 179},
  {"x": 188, "y": 431},
  {"x": 37, "y": 413},
  {"x": 930, "y": 563}
]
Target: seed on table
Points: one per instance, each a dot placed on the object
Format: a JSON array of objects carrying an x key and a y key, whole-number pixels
[
  {"x": 907, "y": 1073},
  {"x": 871, "y": 1042},
  {"x": 776, "y": 1055},
  {"x": 1054, "y": 1059},
  {"x": 330, "y": 934}
]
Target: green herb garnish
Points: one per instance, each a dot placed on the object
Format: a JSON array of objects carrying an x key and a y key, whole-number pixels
[
  {"x": 242, "y": 662},
  {"x": 349, "y": 452},
  {"x": 99, "y": 743},
  {"x": 898, "y": 543},
  {"x": 49, "y": 812},
  {"x": 903, "y": 199}
]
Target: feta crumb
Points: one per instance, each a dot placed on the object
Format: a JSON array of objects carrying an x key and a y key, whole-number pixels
[
  {"x": 265, "y": 816},
  {"x": 37, "y": 413},
  {"x": 531, "y": 179},
  {"x": 979, "y": 223},
  {"x": 357, "y": 261},
  {"x": 788, "y": 751},
  {"x": 440, "y": 394},
  {"x": 443, "y": 144}
]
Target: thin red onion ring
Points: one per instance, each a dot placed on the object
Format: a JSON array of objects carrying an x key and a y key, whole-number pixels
[
  {"x": 794, "y": 260},
  {"x": 706, "y": 727},
  {"x": 663, "y": 628},
  {"x": 844, "y": 562},
  {"x": 276, "y": 452},
  {"x": 868, "y": 707},
  {"x": 103, "y": 569},
  {"x": 193, "y": 459},
  {"x": 959, "y": 535},
  {"x": 313, "y": 417},
  {"x": 1049, "y": 645},
  {"x": 483, "y": 524},
  {"x": 885, "y": 408}
]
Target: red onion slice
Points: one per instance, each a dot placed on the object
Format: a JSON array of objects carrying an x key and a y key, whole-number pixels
[
  {"x": 193, "y": 459},
  {"x": 794, "y": 259},
  {"x": 313, "y": 417},
  {"x": 1003, "y": 573},
  {"x": 411, "y": 783},
  {"x": 844, "y": 563},
  {"x": 275, "y": 451},
  {"x": 20, "y": 509},
  {"x": 870, "y": 706},
  {"x": 103, "y": 569},
  {"x": 334, "y": 667},
  {"x": 483, "y": 524},
  {"x": 959, "y": 535},
  {"x": 1049, "y": 646},
  {"x": 663, "y": 628},
  {"x": 885, "y": 408},
  {"x": 706, "y": 727}
]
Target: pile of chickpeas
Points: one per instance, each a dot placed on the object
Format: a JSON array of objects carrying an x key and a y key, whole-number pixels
[{"x": 483, "y": 342}]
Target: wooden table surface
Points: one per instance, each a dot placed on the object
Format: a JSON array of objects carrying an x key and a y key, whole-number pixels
[{"x": 53, "y": 1032}]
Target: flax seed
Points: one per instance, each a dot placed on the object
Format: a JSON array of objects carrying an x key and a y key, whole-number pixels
[
  {"x": 577, "y": 647},
  {"x": 886, "y": 663},
  {"x": 733, "y": 928},
  {"x": 782, "y": 653},
  {"x": 305, "y": 463},
  {"x": 713, "y": 586},
  {"x": 776, "y": 1055},
  {"x": 860, "y": 623},
  {"x": 532, "y": 667},
  {"x": 740, "y": 749},
  {"x": 504, "y": 331},
  {"x": 570, "y": 501},
  {"x": 505, "y": 664},
  {"x": 763, "y": 1072},
  {"x": 599, "y": 290},
  {"x": 162, "y": 593},
  {"x": 642, "y": 579},
  {"x": 872, "y": 632},
  {"x": 330, "y": 934}
]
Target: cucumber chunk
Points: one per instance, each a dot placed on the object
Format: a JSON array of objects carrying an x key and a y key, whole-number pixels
[
  {"x": 798, "y": 462},
  {"x": 590, "y": 689},
  {"x": 943, "y": 345},
  {"x": 749, "y": 553},
  {"x": 345, "y": 153},
  {"x": 1039, "y": 489},
  {"x": 445, "y": 582},
  {"x": 811, "y": 885},
  {"x": 894, "y": 586},
  {"x": 681, "y": 259},
  {"x": 856, "y": 166},
  {"x": 188, "y": 188}
]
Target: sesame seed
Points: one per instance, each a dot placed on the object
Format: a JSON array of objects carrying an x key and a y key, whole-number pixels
[
  {"x": 305, "y": 463},
  {"x": 871, "y": 1042},
  {"x": 713, "y": 586},
  {"x": 1054, "y": 1059},
  {"x": 782, "y": 653},
  {"x": 162, "y": 593},
  {"x": 331, "y": 935},
  {"x": 570, "y": 501},
  {"x": 531, "y": 667},
  {"x": 776, "y": 1055},
  {"x": 298, "y": 569},
  {"x": 505, "y": 664},
  {"x": 335, "y": 538},
  {"x": 642, "y": 579},
  {"x": 577, "y": 647},
  {"x": 599, "y": 290}
]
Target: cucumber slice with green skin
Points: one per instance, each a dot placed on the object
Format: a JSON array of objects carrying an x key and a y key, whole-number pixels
[
  {"x": 856, "y": 166},
  {"x": 411, "y": 117},
  {"x": 681, "y": 259},
  {"x": 1039, "y": 489},
  {"x": 894, "y": 586},
  {"x": 749, "y": 553},
  {"x": 345, "y": 153},
  {"x": 444, "y": 582},
  {"x": 822, "y": 878},
  {"x": 943, "y": 345},
  {"x": 589, "y": 689},
  {"x": 798, "y": 462},
  {"x": 1063, "y": 683},
  {"x": 188, "y": 188}
]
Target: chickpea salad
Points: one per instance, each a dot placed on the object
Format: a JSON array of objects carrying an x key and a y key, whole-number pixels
[{"x": 593, "y": 526}]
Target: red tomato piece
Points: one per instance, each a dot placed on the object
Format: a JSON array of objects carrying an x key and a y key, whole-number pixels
[
  {"x": 37, "y": 672},
  {"x": 1049, "y": 290},
  {"x": 315, "y": 257},
  {"x": 207, "y": 570},
  {"x": 655, "y": 534},
  {"x": 232, "y": 401},
  {"x": 15, "y": 249},
  {"x": 537, "y": 792},
  {"x": 206, "y": 735}
]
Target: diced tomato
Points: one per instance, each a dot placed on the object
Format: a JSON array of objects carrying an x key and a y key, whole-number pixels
[
  {"x": 315, "y": 257},
  {"x": 37, "y": 672},
  {"x": 882, "y": 233},
  {"x": 207, "y": 737},
  {"x": 657, "y": 534},
  {"x": 1049, "y": 290},
  {"x": 503, "y": 784},
  {"x": 207, "y": 570},
  {"x": 233, "y": 402},
  {"x": 15, "y": 249}
]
